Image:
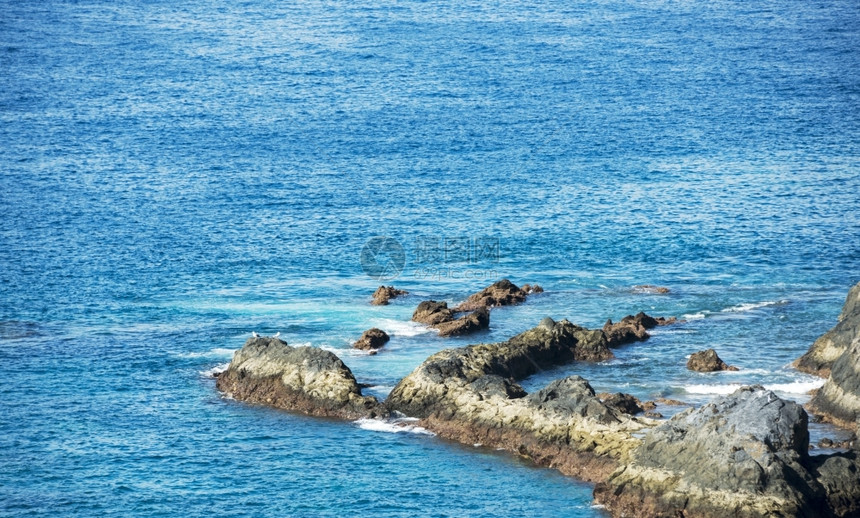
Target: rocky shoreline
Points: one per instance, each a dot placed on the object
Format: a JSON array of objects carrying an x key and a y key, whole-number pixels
[{"x": 743, "y": 454}]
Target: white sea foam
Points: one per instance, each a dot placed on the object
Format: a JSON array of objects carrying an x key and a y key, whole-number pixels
[
  {"x": 694, "y": 316},
  {"x": 743, "y": 308},
  {"x": 797, "y": 387},
  {"x": 340, "y": 352},
  {"x": 212, "y": 353},
  {"x": 218, "y": 369},
  {"x": 401, "y": 327},
  {"x": 392, "y": 426}
]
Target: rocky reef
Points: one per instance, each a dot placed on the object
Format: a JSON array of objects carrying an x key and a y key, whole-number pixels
[
  {"x": 384, "y": 294},
  {"x": 302, "y": 379},
  {"x": 743, "y": 455},
  {"x": 470, "y": 395},
  {"x": 819, "y": 359},
  {"x": 437, "y": 315},
  {"x": 708, "y": 361}
]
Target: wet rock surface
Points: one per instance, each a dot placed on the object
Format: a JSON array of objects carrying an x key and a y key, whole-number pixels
[
  {"x": 708, "y": 361},
  {"x": 820, "y": 357},
  {"x": 302, "y": 379},
  {"x": 475, "y": 321},
  {"x": 384, "y": 294},
  {"x": 838, "y": 401}
]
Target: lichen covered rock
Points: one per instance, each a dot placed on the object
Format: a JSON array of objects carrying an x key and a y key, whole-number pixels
[{"x": 744, "y": 454}]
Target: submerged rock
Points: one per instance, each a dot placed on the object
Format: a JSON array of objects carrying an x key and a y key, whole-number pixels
[
  {"x": 303, "y": 379},
  {"x": 372, "y": 339},
  {"x": 650, "y": 289},
  {"x": 383, "y": 294},
  {"x": 501, "y": 293},
  {"x": 831, "y": 345},
  {"x": 708, "y": 361},
  {"x": 742, "y": 455},
  {"x": 470, "y": 395},
  {"x": 633, "y": 328}
]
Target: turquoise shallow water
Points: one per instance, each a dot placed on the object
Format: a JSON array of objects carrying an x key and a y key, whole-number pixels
[{"x": 176, "y": 177}]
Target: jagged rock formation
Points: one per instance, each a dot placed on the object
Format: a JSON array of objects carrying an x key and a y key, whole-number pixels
[
  {"x": 303, "y": 379},
  {"x": 708, "y": 361},
  {"x": 633, "y": 328},
  {"x": 742, "y": 455},
  {"x": 626, "y": 403},
  {"x": 838, "y": 401},
  {"x": 470, "y": 395},
  {"x": 383, "y": 294},
  {"x": 832, "y": 344},
  {"x": 372, "y": 339},
  {"x": 501, "y": 293}
]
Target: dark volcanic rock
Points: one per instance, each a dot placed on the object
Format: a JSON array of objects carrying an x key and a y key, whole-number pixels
[
  {"x": 385, "y": 293},
  {"x": 708, "y": 361},
  {"x": 831, "y": 345},
  {"x": 470, "y": 395},
  {"x": 303, "y": 379},
  {"x": 839, "y": 475},
  {"x": 633, "y": 328},
  {"x": 431, "y": 313},
  {"x": 373, "y": 338},
  {"x": 742, "y": 455},
  {"x": 501, "y": 293},
  {"x": 475, "y": 321}
]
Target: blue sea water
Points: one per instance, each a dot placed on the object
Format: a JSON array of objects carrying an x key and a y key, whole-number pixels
[{"x": 174, "y": 176}]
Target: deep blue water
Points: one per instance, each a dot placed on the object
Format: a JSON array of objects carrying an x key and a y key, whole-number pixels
[{"x": 175, "y": 177}]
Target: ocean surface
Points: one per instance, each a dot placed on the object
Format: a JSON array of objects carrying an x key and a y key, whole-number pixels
[{"x": 175, "y": 176}]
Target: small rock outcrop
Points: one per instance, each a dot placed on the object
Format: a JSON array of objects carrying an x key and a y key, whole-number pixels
[
  {"x": 467, "y": 324},
  {"x": 302, "y": 379},
  {"x": 820, "y": 357},
  {"x": 431, "y": 313},
  {"x": 501, "y": 293},
  {"x": 742, "y": 455},
  {"x": 439, "y": 316},
  {"x": 372, "y": 339},
  {"x": 383, "y": 294},
  {"x": 470, "y": 395},
  {"x": 633, "y": 328},
  {"x": 708, "y": 361}
]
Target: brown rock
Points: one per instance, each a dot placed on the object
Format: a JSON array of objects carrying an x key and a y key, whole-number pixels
[
  {"x": 373, "y": 338},
  {"x": 385, "y": 293},
  {"x": 708, "y": 361},
  {"x": 670, "y": 402},
  {"x": 624, "y": 403},
  {"x": 501, "y": 293}
]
